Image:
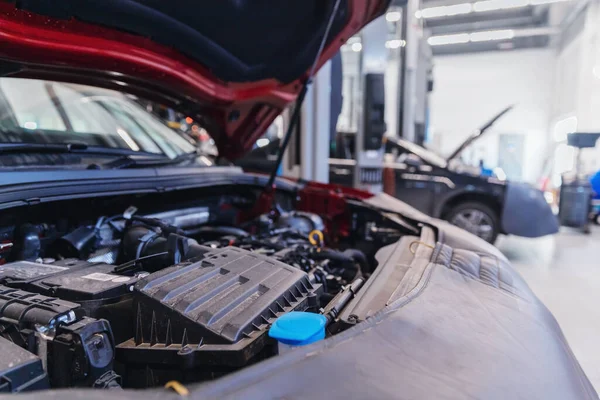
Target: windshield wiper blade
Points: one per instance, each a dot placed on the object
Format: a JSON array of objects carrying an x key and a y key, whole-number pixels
[
  {"x": 126, "y": 158},
  {"x": 76, "y": 148},
  {"x": 41, "y": 147},
  {"x": 130, "y": 162}
]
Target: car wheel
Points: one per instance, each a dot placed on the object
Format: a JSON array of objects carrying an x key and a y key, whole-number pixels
[{"x": 476, "y": 218}]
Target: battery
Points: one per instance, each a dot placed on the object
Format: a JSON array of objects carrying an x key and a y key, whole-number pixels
[
  {"x": 72, "y": 280},
  {"x": 100, "y": 292}
]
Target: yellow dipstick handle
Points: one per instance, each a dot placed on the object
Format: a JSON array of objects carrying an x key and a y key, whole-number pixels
[
  {"x": 316, "y": 238},
  {"x": 177, "y": 387}
]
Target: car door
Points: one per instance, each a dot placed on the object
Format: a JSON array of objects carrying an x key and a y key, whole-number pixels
[{"x": 415, "y": 184}]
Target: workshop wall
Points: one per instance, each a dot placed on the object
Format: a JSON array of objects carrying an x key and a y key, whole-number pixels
[
  {"x": 576, "y": 103},
  {"x": 469, "y": 89}
]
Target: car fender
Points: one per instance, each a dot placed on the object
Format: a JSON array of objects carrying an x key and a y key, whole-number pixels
[{"x": 526, "y": 212}]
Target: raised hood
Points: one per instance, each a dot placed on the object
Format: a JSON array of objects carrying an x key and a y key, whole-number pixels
[
  {"x": 233, "y": 65},
  {"x": 477, "y": 134}
]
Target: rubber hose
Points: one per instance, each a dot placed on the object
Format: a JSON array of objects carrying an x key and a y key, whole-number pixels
[
  {"x": 360, "y": 258},
  {"x": 218, "y": 230},
  {"x": 334, "y": 255}
]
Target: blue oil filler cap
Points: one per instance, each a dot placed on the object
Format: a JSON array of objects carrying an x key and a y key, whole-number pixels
[{"x": 298, "y": 328}]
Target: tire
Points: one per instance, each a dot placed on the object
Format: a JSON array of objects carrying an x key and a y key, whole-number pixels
[
  {"x": 466, "y": 216},
  {"x": 597, "y": 219}
]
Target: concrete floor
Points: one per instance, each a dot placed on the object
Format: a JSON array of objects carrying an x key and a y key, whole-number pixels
[{"x": 564, "y": 272}]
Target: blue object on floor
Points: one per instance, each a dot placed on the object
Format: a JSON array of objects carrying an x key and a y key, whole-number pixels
[
  {"x": 595, "y": 181},
  {"x": 298, "y": 328}
]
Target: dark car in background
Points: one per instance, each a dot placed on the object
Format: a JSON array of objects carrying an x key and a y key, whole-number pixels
[{"x": 485, "y": 205}]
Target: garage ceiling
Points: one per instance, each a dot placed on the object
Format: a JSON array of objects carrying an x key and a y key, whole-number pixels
[{"x": 461, "y": 26}]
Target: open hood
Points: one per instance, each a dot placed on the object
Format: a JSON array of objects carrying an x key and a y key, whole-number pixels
[
  {"x": 233, "y": 65},
  {"x": 478, "y": 133}
]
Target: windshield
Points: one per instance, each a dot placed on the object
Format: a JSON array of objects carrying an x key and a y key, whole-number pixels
[
  {"x": 44, "y": 112},
  {"x": 426, "y": 155}
]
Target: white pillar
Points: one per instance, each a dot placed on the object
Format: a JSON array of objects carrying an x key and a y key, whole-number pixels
[
  {"x": 409, "y": 102},
  {"x": 314, "y": 128}
]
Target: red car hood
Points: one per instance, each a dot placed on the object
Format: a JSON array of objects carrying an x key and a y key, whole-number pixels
[{"x": 233, "y": 65}]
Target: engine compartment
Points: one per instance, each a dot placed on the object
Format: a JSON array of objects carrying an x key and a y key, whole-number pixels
[{"x": 170, "y": 289}]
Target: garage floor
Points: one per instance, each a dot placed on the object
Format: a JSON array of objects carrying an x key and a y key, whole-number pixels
[{"x": 564, "y": 272}]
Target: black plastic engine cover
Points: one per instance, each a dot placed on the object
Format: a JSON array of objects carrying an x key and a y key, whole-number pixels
[
  {"x": 101, "y": 292},
  {"x": 215, "y": 311},
  {"x": 225, "y": 296}
]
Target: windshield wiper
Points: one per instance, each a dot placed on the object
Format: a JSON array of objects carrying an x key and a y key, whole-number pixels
[
  {"x": 6, "y": 148},
  {"x": 76, "y": 148},
  {"x": 125, "y": 158},
  {"x": 131, "y": 162}
]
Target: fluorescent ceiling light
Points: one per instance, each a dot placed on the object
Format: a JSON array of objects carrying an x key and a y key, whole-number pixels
[
  {"x": 458, "y": 9},
  {"x": 479, "y": 6},
  {"x": 393, "y": 16},
  {"x": 492, "y": 35},
  {"x": 448, "y": 39},
  {"x": 493, "y": 5},
  {"x": 446, "y": 11},
  {"x": 395, "y": 43},
  {"x": 539, "y": 2},
  {"x": 483, "y": 36}
]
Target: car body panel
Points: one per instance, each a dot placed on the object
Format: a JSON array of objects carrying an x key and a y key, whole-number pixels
[
  {"x": 440, "y": 184},
  {"x": 32, "y": 187},
  {"x": 529, "y": 214},
  {"x": 430, "y": 188}
]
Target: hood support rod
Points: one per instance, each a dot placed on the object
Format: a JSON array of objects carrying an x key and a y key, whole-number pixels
[{"x": 301, "y": 95}]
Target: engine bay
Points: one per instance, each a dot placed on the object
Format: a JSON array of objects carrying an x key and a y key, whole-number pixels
[{"x": 170, "y": 290}]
